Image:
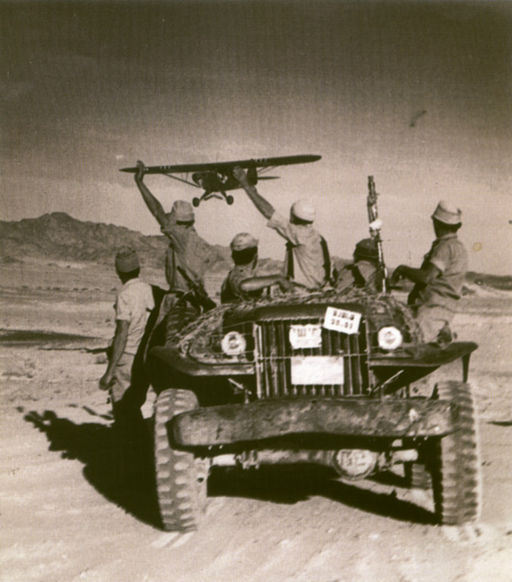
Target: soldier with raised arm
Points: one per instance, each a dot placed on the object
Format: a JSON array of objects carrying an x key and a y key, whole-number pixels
[
  {"x": 307, "y": 257},
  {"x": 185, "y": 260}
]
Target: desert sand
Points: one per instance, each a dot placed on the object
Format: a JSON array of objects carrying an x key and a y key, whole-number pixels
[{"x": 66, "y": 515}]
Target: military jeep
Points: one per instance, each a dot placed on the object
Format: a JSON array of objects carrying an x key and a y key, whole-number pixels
[{"x": 325, "y": 378}]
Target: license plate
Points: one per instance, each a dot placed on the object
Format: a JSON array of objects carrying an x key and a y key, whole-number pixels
[
  {"x": 342, "y": 320},
  {"x": 317, "y": 370},
  {"x": 305, "y": 336}
]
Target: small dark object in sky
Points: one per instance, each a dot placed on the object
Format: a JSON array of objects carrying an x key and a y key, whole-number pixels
[{"x": 416, "y": 116}]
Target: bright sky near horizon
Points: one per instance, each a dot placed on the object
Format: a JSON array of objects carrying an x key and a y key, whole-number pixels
[{"x": 89, "y": 87}]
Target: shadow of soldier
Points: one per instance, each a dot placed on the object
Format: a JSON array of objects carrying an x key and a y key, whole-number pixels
[{"x": 123, "y": 475}]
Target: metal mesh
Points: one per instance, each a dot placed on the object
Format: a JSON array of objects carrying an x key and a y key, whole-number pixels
[
  {"x": 274, "y": 357},
  {"x": 200, "y": 337}
]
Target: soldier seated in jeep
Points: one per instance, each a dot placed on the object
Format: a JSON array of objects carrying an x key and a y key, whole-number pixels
[
  {"x": 438, "y": 282},
  {"x": 244, "y": 282},
  {"x": 362, "y": 273},
  {"x": 325, "y": 377}
]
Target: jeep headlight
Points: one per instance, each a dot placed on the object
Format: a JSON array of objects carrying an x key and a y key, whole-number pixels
[
  {"x": 233, "y": 343},
  {"x": 389, "y": 338}
]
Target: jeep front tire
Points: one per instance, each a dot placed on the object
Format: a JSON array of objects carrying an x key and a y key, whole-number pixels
[
  {"x": 456, "y": 477},
  {"x": 181, "y": 478}
]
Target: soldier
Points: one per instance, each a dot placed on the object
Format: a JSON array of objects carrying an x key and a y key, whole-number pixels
[
  {"x": 243, "y": 282},
  {"x": 307, "y": 257},
  {"x": 124, "y": 376},
  {"x": 438, "y": 282},
  {"x": 363, "y": 272},
  {"x": 185, "y": 261}
]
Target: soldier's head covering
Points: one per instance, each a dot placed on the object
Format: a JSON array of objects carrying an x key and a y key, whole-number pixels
[
  {"x": 366, "y": 249},
  {"x": 303, "y": 210},
  {"x": 127, "y": 260},
  {"x": 182, "y": 211},
  {"x": 447, "y": 213},
  {"x": 242, "y": 241}
]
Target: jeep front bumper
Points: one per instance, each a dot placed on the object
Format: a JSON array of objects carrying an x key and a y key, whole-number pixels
[{"x": 263, "y": 419}]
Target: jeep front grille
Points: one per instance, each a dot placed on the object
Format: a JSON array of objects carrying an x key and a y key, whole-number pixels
[{"x": 273, "y": 355}]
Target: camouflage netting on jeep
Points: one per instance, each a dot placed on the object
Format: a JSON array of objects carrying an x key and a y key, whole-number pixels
[{"x": 204, "y": 332}]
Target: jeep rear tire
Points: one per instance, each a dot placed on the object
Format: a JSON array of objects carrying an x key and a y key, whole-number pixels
[
  {"x": 456, "y": 477},
  {"x": 181, "y": 478}
]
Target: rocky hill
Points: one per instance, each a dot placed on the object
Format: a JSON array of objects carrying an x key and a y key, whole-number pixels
[{"x": 58, "y": 236}]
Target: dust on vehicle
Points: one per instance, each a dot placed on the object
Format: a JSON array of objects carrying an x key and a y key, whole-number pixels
[{"x": 326, "y": 378}]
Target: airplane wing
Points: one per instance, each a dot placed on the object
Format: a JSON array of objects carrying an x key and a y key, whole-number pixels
[{"x": 223, "y": 166}]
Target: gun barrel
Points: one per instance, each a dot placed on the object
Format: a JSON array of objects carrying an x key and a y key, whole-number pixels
[{"x": 373, "y": 218}]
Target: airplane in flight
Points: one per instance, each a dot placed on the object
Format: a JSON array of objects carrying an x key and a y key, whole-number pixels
[{"x": 216, "y": 178}]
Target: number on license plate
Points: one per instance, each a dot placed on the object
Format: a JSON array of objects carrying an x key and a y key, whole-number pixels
[{"x": 342, "y": 320}]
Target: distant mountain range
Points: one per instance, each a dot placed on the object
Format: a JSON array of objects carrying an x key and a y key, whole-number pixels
[{"x": 58, "y": 236}]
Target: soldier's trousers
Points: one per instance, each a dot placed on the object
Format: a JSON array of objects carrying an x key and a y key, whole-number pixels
[
  {"x": 434, "y": 322},
  {"x": 128, "y": 393}
]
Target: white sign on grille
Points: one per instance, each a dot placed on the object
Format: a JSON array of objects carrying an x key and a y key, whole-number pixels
[
  {"x": 342, "y": 320},
  {"x": 311, "y": 370},
  {"x": 305, "y": 336}
]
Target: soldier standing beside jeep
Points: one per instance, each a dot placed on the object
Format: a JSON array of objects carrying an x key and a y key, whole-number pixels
[
  {"x": 307, "y": 257},
  {"x": 439, "y": 280},
  {"x": 124, "y": 377}
]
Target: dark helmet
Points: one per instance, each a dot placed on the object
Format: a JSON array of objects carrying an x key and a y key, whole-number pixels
[{"x": 366, "y": 249}]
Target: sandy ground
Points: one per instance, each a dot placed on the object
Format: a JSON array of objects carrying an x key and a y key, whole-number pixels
[{"x": 67, "y": 516}]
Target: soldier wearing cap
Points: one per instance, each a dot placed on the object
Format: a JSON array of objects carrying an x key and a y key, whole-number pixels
[
  {"x": 124, "y": 376},
  {"x": 307, "y": 257},
  {"x": 362, "y": 273},
  {"x": 243, "y": 282},
  {"x": 438, "y": 282},
  {"x": 186, "y": 260},
  {"x": 185, "y": 246}
]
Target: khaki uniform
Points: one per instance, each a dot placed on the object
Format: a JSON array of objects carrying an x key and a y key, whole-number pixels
[
  {"x": 187, "y": 250},
  {"x": 361, "y": 275},
  {"x": 134, "y": 304},
  {"x": 230, "y": 290},
  {"x": 435, "y": 304},
  {"x": 307, "y": 252}
]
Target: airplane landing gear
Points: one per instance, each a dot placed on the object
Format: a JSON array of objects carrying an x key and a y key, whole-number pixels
[{"x": 207, "y": 195}]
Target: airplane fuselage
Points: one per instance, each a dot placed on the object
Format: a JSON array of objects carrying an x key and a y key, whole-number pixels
[
  {"x": 214, "y": 182},
  {"x": 211, "y": 181}
]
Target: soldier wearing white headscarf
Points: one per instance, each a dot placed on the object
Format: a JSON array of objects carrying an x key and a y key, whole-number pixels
[{"x": 307, "y": 259}]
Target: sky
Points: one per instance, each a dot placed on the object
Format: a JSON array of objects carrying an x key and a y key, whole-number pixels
[{"x": 90, "y": 87}]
